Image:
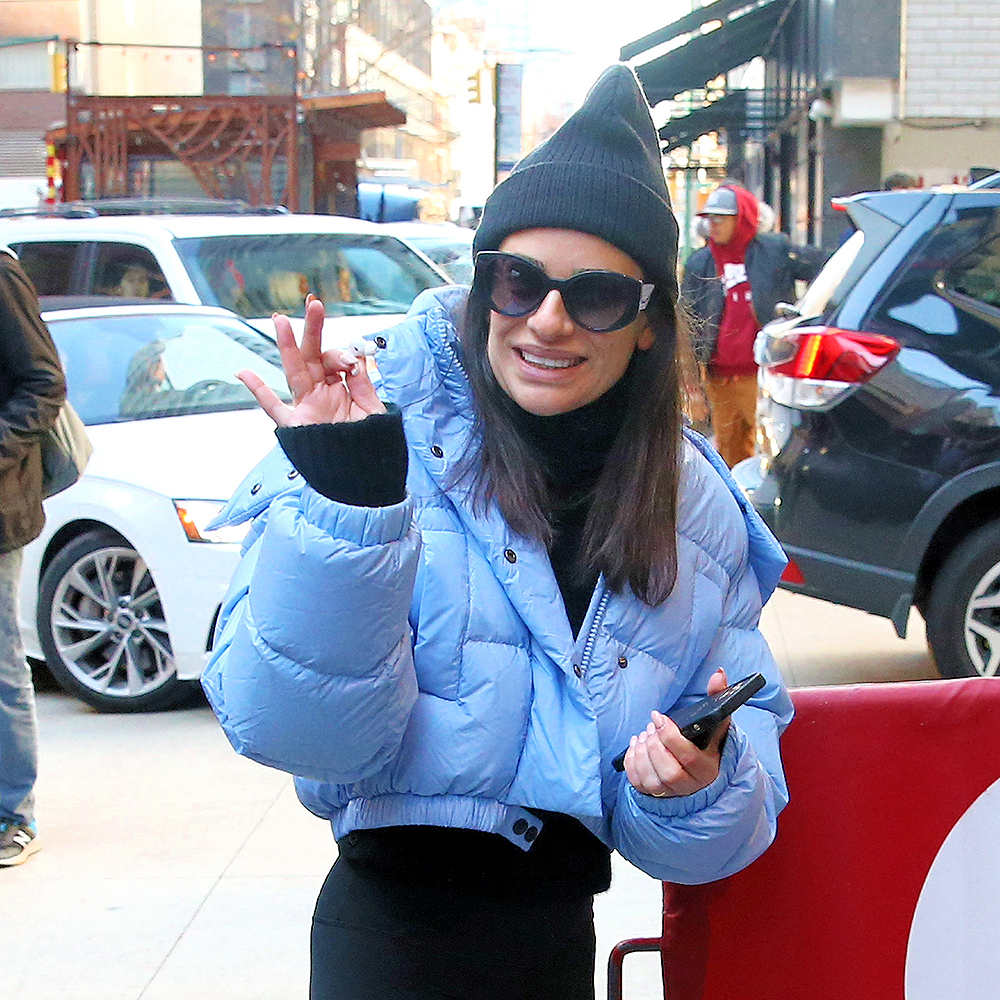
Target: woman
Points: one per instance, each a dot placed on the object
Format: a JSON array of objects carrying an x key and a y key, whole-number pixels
[{"x": 484, "y": 592}]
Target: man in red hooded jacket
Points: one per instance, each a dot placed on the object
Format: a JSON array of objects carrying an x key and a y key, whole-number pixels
[{"x": 731, "y": 286}]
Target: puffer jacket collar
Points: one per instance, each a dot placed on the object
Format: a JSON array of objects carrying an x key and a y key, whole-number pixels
[{"x": 422, "y": 372}]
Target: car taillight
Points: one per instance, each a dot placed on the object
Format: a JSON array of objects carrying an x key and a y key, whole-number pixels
[
  {"x": 792, "y": 573},
  {"x": 811, "y": 367}
]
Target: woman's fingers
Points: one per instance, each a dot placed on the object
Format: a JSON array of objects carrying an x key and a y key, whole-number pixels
[
  {"x": 297, "y": 374},
  {"x": 326, "y": 386},
  {"x": 363, "y": 392},
  {"x": 269, "y": 401},
  {"x": 660, "y": 761},
  {"x": 356, "y": 377},
  {"x": 312, "y": 330}
]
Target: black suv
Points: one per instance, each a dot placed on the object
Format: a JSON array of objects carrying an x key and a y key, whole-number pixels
[{"x": 879, "y": 422}]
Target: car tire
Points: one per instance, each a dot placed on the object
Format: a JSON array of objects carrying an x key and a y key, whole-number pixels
[
  {"x": 102, "y": 628},
  {"x": 963, "y": 611}
]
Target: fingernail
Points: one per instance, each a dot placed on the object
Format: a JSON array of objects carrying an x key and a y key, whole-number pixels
[
  {"x": 642, "y": 736},
  {"x": 356, "y": 368},
  {"x": 657, "y": 719},
  {"x": 651, "y": 729}
]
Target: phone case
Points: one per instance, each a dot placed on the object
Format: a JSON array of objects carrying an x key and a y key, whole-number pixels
[{"x": 698, "y": 721}]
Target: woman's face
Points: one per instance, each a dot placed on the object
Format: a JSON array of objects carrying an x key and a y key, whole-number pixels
[{"x": 544, "y": 361}]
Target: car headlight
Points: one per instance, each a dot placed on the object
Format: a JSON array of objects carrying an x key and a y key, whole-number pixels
[{"x": 196, "y": 514}]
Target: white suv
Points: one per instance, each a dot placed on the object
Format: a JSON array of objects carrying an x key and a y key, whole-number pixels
[{"x": 254, "y": 265}]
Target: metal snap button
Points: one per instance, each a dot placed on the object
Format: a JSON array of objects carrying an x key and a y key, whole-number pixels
[
  {"x": 622, "y": 662},
  {"x": 437, "y": 451},
  {"x": 510, "y": 555},
  {"x": 255, "y": 488}
]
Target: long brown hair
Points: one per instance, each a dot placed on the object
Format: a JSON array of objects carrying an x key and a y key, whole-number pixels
[{"x": 630, "y": 531}]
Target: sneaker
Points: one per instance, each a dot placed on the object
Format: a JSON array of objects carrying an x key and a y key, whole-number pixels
[{"x": 18, "y": 841}]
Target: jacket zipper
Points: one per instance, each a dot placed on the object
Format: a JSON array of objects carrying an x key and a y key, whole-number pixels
[{"x": 588, "y": 646}]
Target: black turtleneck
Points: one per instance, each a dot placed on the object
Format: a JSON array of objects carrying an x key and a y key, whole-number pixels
[{"x": 572, "y": 449}]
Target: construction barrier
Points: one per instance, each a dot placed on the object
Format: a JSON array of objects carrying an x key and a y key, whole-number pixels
[{"x": 884, "y": 880}]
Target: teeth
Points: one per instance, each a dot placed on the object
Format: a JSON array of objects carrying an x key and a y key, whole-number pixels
[{"x": 548, "y": 362}]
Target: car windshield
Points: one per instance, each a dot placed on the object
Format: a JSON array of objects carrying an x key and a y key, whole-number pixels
[
  {"x": 455, "y": 259},
  {"x": 354, "y": 274},
  {"x": 131, "y": 366}
]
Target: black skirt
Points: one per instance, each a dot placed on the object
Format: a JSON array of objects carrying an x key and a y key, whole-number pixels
[{"x": 402, "y": 923}]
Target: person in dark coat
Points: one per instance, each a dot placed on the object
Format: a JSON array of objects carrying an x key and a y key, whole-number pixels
[
  {"x": 32, "y": 390},
  {"x": 731, "y": 287}
]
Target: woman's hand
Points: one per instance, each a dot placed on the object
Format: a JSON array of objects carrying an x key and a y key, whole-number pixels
[
  {"x": 327, "y": 387},
  {"x": 661, "y": 762}
]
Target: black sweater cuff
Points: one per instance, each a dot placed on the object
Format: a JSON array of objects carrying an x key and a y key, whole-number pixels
[{"x": 362, "y": 462}]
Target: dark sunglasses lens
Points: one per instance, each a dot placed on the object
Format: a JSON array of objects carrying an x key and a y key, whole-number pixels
[
  {"x": 602, "y": 301},
  {"x": 517, "y": 287}
]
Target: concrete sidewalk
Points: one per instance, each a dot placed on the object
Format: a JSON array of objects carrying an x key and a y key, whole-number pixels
[{"x": 172, "y": 869}]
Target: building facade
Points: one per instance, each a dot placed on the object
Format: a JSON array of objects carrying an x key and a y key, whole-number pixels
[
  {"x": 846, "y": 94},
  {"x": 358, "y": 70}
]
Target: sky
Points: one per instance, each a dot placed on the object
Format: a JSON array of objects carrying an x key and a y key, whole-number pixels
[
  {"x": 593, "y": 30},
  {"x": 598, "y": 29}
]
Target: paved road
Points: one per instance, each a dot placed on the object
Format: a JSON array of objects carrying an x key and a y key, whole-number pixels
[{"x": 173, "y": 869}]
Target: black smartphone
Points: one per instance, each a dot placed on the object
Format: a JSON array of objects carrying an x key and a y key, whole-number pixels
[{"x": 698, "y": 721}]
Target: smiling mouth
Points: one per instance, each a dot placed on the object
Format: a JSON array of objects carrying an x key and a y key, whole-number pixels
[{"x": 550, "y": 363}]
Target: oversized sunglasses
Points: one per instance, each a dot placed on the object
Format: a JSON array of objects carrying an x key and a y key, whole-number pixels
[{"x": 599, "y": 301}]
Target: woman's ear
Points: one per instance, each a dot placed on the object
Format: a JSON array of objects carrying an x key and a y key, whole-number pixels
[{"x": 646, "y": 337}]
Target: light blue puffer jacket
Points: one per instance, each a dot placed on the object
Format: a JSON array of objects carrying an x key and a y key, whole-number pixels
[{"x": 414, "y": 664}]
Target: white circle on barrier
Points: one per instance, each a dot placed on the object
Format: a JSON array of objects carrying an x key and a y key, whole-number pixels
[{"x": 952, "y": 949}]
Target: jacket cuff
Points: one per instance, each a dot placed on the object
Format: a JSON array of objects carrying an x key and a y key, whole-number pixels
[
  {"x": 686, "y": 805},
  {"x": 360, "y": 462}
]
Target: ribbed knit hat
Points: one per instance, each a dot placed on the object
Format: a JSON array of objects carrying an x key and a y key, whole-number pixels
[{"x": 598, "y": 173}]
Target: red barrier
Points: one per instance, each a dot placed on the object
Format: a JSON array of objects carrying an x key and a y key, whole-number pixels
[{"x": 884, "y": 880}]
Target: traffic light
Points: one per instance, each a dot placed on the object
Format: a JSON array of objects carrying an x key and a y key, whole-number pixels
[
  {"x": 60, "y": 73},
  {"x": 474, "y": 89}
]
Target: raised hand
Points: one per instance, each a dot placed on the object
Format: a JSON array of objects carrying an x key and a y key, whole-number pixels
[{"x": 327, "y": 387}]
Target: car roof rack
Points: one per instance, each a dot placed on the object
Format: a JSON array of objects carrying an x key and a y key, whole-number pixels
[
  {"x": 144, "y": 206},
  {"x": 76, "y": 210}
]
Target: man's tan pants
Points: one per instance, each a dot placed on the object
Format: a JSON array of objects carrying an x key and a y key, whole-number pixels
[{"x": 733, "y": 400}]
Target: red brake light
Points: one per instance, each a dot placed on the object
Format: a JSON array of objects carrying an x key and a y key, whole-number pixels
[
  {"x": 831, "y": 355},
  {"x": 792, "y": 573}
]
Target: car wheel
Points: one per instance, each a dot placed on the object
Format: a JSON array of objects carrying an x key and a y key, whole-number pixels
[
  {"x": 102, "y": 628},
  {"x": 963, "y": 612}
]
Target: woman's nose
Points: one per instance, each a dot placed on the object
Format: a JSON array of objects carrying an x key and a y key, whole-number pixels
[{"x": 551, "y": 319}]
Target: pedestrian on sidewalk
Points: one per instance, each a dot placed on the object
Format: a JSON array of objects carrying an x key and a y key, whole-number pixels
[
  {"x": 493, "y": 581},
  {"x": 32, "y": 389},
  {"x": 731, "y": 286}
]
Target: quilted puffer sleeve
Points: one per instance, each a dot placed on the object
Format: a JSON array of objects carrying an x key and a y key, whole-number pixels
[
  {"x": 312, "y": 669},
  {"x": 722, "y": 828}
]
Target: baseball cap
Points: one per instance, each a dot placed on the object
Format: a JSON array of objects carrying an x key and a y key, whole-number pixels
[{"x": 722, "y": 201}]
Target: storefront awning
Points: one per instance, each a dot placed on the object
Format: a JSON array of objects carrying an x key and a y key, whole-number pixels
[
  {"x": 744, "y": 30},
  {"x": 358, "y": 111},
  {"x": 740, "y": 113}
]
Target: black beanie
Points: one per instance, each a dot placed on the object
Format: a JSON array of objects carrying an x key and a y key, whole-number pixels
[{"x": 598, "y": 173}]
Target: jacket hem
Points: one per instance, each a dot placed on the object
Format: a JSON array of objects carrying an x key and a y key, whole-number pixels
[{"x": 514, "y": 823}]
